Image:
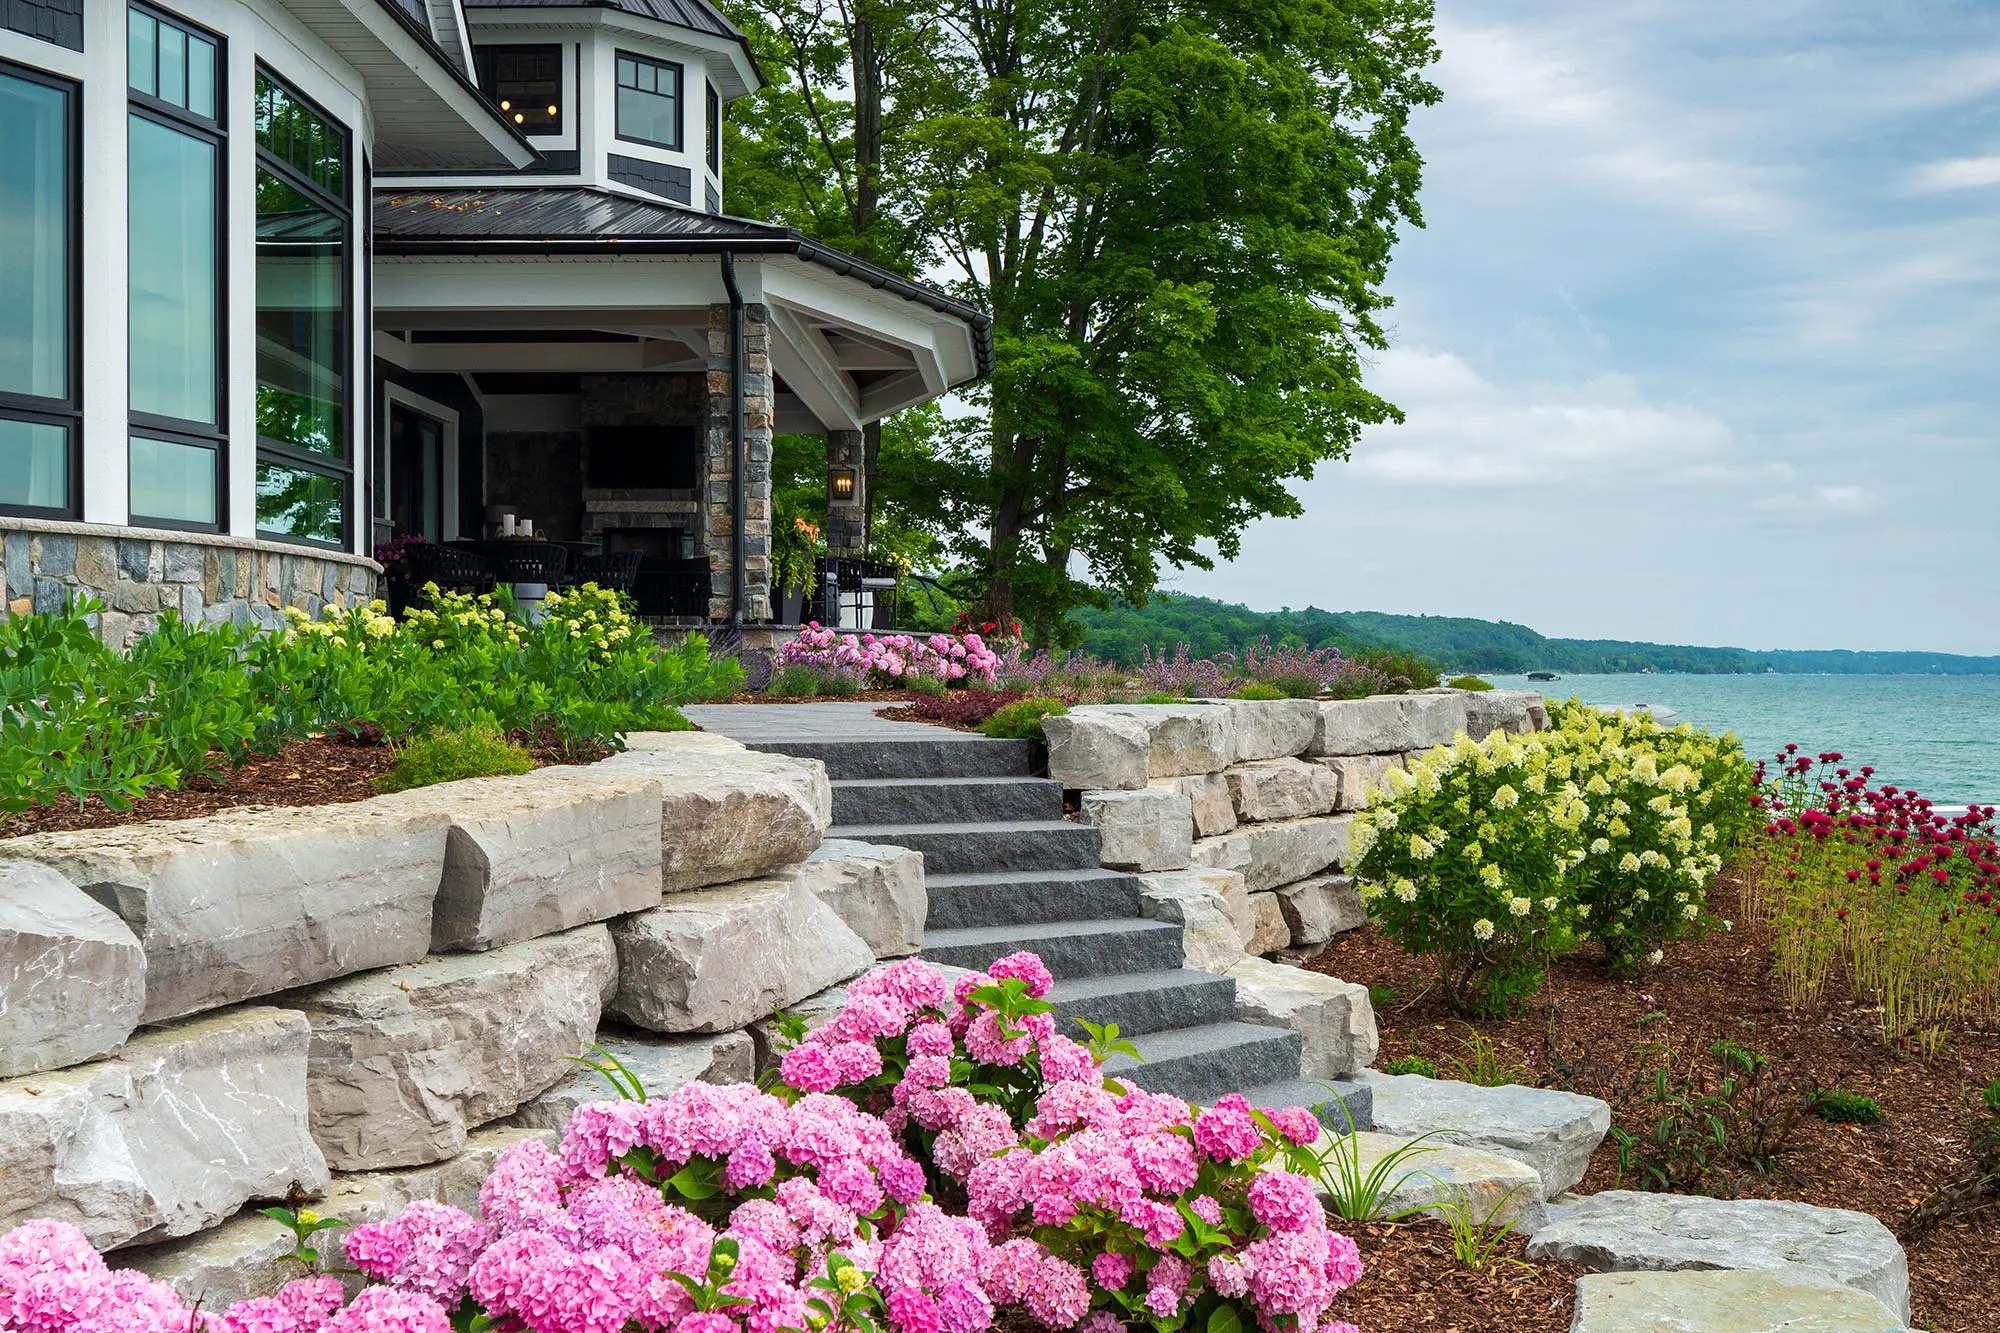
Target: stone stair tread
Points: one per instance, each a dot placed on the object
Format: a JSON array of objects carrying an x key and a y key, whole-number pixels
[
  {"x": 964, "y": 936},
  {"x": 1178, "y": 1043},
  {"x": 974, "y": 780},
  {"x": 1078, "y": 990},
  {"x": 975, "y": 879},
  {"x": 876, "y": 832},
  {"x": 1320, "y": 1097},
  {"x": 1145, "y": 1002}
]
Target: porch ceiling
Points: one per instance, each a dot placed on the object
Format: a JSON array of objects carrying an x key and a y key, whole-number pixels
[{"x": 592, "y": 282}]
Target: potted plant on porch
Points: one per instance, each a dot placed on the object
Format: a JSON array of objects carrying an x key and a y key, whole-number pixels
[{"x": 796, "y": 549}]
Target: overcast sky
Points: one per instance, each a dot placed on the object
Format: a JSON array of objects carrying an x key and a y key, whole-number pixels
[{"x": 1701, "y": 343}]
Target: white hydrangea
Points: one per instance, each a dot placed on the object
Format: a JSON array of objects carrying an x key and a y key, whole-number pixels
[
  {"x": 1653, "y": 958},
  {"x": 1405, "y": 890},
  {"x": 1505, "y": 797},
  {"x": 1600, "y": 846},
  {"x": 1490, "y": 876},
  {"x": 1482, "y": 929},
  {"x": 1629, "y": 863},
  {"x": 1519, "y": 906}
]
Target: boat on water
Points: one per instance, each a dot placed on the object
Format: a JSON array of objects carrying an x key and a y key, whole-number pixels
[{"x": 1543, "y": 675}]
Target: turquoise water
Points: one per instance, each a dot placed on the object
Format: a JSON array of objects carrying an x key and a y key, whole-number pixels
[{"x": 1938, "y": 734}]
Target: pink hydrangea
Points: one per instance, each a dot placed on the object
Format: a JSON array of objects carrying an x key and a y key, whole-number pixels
[
  {"x": 1284, "y": 1201},
  {"x": 1226, "y": 1134},
  {"x": 928, "y": 1038},
  {"x": 1112, "y": 1270},
  {"x": 389, "y": 1310},
  {"x": 810, "y": 1067},
  {"x": 1027, "y": 968}
]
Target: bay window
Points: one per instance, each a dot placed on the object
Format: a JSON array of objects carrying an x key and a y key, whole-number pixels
[
  {"x": 305, "y": 467},
  {"x": 39, "y": 400},
  {"x": 175, "y": 226},
  {"x": 649, "y": 101}
]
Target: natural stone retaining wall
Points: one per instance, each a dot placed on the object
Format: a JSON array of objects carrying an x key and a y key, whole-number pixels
[
  {"x": 395, "y": 988},
  {"x": 137, "y": 573}
]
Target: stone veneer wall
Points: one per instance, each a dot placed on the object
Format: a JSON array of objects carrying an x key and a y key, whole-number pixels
[
  {"x": 139, "y": 572},
  {"x": 758, "y": 419},
  {"x": 368, "y": 1002}
]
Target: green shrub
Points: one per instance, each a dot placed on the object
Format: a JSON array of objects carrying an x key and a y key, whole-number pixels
[
  {"x": 932, "y": 685},
  {"x": 799, "y": 681},
  {"x": 1397, "y": 672},
  {"x": 475, "y": 752},
  {"x": 1469, "y": 683},
  {"x": 1845, "y": 1108},
  {"x": 1258, "y": 689},
  {"x": 1381, "y": 997},
  {"x": 1412, "y": 1064},
  {"x": 1161, "y": 698},
  {"x": 663, "y": 718},
  {"x": 1463, "y": 862},
  {"x": 1295, "y": 686},
  {"x": 1022, "y": 719}
]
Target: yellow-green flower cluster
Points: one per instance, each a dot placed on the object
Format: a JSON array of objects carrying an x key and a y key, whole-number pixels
[{"x": 593, "y": 617}]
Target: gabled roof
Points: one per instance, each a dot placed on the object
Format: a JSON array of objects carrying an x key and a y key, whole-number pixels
[
  {"x": 580, "y": 219},
  {"x": 693, "y": 15}
]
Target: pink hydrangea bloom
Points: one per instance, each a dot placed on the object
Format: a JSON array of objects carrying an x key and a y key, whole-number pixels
[
  {"x": 1226, "y": 1134},
  {"x": 1112, "y": 1270},
  {"x": 388, "y": 1310},
  {"x": 1027, "y": 968},
  {"x": 1284, "y": 1201}
]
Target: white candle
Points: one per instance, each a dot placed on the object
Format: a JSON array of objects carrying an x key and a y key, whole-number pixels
[
  {"x": 506, "y": 525},
  {"x": 527, "y": 527}
]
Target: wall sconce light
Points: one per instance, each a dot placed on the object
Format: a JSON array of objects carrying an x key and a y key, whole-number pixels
[{"x": 842, "y": 481}]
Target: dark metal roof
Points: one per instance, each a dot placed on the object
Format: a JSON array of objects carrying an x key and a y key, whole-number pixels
[
  {"x": 579, "y": 219},
  {"x": 695, "y": 15}
]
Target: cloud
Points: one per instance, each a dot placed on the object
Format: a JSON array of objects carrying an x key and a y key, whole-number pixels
[
  {"x": 1959, "y": 173},
  {"x": 1845, "y": 499},
  {"x": 1463, "y": 430}
]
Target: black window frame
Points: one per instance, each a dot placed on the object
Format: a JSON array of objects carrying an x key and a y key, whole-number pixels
[
  {"x": 487, "y": 76},
  {"x": 48, "y": 411},
  {"x": 712, "y": 106},
  {"x": 215, "y": 130},
  {"x": 278, "y": 451},
  {"x": 680, "y": 100}
]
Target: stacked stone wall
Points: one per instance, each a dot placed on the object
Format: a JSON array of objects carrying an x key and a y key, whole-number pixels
[
  {"x": 364, "y": 1004},
  {"x": 1236, "y": 815},
  {"x": 139, "y": 573}
]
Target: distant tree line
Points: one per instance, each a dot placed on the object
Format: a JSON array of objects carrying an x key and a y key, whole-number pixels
[{"x": 1464, "y": 644}]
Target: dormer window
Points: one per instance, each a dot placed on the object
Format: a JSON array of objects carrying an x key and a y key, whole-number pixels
[
  {"x": 526, "y": 83},
  {"x": 649, "y": 101}
]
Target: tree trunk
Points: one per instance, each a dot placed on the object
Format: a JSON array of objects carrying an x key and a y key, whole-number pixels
[
  {"x": 866, "y": 75},
  {"x": 871, "y": 450}
]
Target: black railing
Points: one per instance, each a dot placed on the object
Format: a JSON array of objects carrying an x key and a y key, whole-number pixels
[{"x": 843, "y": 583}]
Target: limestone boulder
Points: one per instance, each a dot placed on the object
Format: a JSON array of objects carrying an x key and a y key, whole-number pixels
[
  {"x": 1269, "y": 789},
  {"x": 661, "y": 1064},
  {"x": 1388, "y": 723},
  {"x": 1149, "y": 829},
  {"x": 1626, "y": 1231},
  {"x": 877, "y": 889},
  {"x": 1208, "y": 796},
  {"x": 1319, "y": 908},
  {"x": 1437, "y": 1174},
  {"x": 1272, "y": 728},
  {"x": 1181, "y": 738},
  {"x": 1554, "y": 1132},
  {"x": 1725, "y": 1302},
  {"x": 723, "y": 958},
  {"x": 1333, "y": 1018},
  {"x": 72, "y": 975},
  {"x": 1360, "y": 777},
  {"x": 1519, "y": 711},
  {"x": 250, "y": 1254},
  {"x": 175, "y": 1133},
  {"x": 1199, "y": 902},
  {"x": 246, "y": 903},
  {"x": 1091, "y": 749},
  {"x": 1260, "y": 921},
  {"x": 726, "y": 812},
  {"x": 407, "y": 1061},
  {"x": 540, "y": 852},
  {"x": 1279, "y": 852}
]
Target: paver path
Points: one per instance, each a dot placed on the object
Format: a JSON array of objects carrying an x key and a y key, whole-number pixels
[{"x": 1005, "y": 871}]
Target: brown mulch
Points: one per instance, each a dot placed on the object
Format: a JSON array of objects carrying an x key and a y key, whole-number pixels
[
  {"x": 1584, "y": 1033},
  {"x": 863, "y": 697},
  {"x": 303, "y": 773}
]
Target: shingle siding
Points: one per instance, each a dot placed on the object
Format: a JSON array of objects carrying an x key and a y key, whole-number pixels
[
  {"x": 56, "y": 21},
  {"x": 660, "y": 178}
]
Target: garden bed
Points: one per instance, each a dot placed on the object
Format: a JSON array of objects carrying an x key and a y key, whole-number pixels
[{"x": 1591, "y": 1034}]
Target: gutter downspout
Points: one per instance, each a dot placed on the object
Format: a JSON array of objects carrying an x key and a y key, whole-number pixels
[{"x": 736, "y": 370}]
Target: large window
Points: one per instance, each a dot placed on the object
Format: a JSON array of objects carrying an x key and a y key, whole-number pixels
[
  {"x": 714, "y": 130},
  {"x": 38, "y": 274},
  {"x": 649, "y": 101},
  {"x": 526, "y": 81},
  {"x": 305, "y": 469},
  {"x": 175, "y": 271}
]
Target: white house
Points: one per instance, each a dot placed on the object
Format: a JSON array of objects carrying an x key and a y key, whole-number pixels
[{"x": 280, "y": 279}]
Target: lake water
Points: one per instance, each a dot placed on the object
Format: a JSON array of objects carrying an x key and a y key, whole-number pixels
[{"x": 1938, "y": 734}]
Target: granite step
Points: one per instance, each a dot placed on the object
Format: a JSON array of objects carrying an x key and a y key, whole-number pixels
[
  {"x": 1016, "y": 844},
  {"x": 948, "y": 754},
  {"x": 1012, "y": 898},
  {"x": 945, "y": 800},
  {"x": 1145, "y": 1002},
  {"x": 1070, "y": 949},
  {"x": 1203, "y": 1063},
  {"x": 1326, "y": 1099}
]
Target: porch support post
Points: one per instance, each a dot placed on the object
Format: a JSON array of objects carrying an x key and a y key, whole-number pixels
[
  {"x": 757, "y": 418},
  {"x": 846, "y": 515}
]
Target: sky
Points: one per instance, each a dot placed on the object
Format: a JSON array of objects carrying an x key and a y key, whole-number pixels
[{"x": 1700, "y": 343}]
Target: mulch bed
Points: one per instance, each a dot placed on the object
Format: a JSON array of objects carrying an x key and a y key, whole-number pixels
[
  {"x": 303, "y": 773},
  {"x": 1584, "y": 1033}
]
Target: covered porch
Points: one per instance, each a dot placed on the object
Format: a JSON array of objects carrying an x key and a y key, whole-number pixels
[{"x": 611, "y": 372}]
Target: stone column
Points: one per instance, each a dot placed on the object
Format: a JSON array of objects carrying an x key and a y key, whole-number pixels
[
  {"x": 757, "y": 419},
  {"x": 846, "y": 516}
]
